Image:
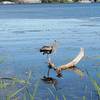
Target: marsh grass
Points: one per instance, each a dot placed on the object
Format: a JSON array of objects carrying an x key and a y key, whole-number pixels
[
  {"x": 51, "y": 92},
  {"x": 55, "y": 97},
  {"x": 97, "y": 57},
  {"x": 3, "y": 84},
  {"x": 64, "y": 98},
  {"x": 14, "y": 94},
  {"x": 30, "y": 95},
  {"x": 24, "y": 89},
  {"x": 84, "y": 98},
  {"x": 98, "y": 75},
  {"x": 95, "y": 84},
  {"x": 14, "y": 81}
]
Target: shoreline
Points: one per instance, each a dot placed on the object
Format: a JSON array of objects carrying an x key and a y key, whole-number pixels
[
  {"x": 80, "y": 2},
  {"x": 67, "y": 2}
]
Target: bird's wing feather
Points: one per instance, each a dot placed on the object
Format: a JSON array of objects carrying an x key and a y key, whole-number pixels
[{"x": 75, "y": 61}]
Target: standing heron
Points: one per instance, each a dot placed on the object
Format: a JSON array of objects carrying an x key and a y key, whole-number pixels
[{"x": 48, "y": 49}]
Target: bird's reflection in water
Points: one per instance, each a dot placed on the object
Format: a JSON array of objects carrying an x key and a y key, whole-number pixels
[
  {"x": 50, "y": 80},
  {"x": 58, "y": 70},
  {"x": 55, "y": 83}
]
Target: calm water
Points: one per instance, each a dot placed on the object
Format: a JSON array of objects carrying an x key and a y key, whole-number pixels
[{"x": 25, "y": 28}]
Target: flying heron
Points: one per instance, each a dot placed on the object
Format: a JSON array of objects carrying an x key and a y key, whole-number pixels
[
  {"x": 69, "y": 66},
  {"x": 48, "y": 49}
]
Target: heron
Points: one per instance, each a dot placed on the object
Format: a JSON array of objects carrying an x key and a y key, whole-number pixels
[
  {"x": 48, "y": 49},
  {"x": 69, "y": 66}
]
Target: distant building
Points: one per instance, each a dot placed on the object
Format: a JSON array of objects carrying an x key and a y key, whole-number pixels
[{"x": 28, "y": 1}]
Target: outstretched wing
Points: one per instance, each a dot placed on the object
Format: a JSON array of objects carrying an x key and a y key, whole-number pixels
[{"x": 73, "y": 63}]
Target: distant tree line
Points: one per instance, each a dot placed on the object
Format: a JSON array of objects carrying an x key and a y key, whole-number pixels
[
  {"x": 43, "y": 1},
  {"x": 64, "y": 1},
  {"x": 59, "y": 1},
  {"x": 46, "y": 1},
  {"x": 8, "y": 0},
  {"x": 50, "y": 1}
]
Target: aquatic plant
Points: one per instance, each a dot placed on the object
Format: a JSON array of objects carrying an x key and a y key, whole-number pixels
[
  {"x": 51, "y": 92},
  {"x": 84, "y": 98},
  {"x": 13, "y": 81},
  {"x": 6, "y": 82},
  {"x": 95, "y": 84},
  {"x": 24, "y": 89},
  {"x": 14, "y": 94},
  {"x": 32, "y": 95},
  {"x": 64, "y": 98},
  {"x": 98, "y": 75},
  {"x": 3, "y": 84},
  {"x": 55, "y": 97}
]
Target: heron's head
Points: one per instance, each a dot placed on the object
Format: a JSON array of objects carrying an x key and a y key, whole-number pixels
[{"x": 55, "y": 44}]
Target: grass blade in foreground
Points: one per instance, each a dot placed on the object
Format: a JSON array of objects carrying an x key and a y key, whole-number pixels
[
  {"x": 15, "y": 93},
  {"x": 96, "y": 85}
]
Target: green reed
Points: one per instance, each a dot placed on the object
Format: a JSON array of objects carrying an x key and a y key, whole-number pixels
[{"x": 95, "y": 84}]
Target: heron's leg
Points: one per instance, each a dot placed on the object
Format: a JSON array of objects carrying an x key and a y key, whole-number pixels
[
  {"x": 47, "y": 56},
  {"x": 48, "y": 72}
]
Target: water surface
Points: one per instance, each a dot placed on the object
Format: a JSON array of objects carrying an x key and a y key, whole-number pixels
[{"x": 25, "y": 28}]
